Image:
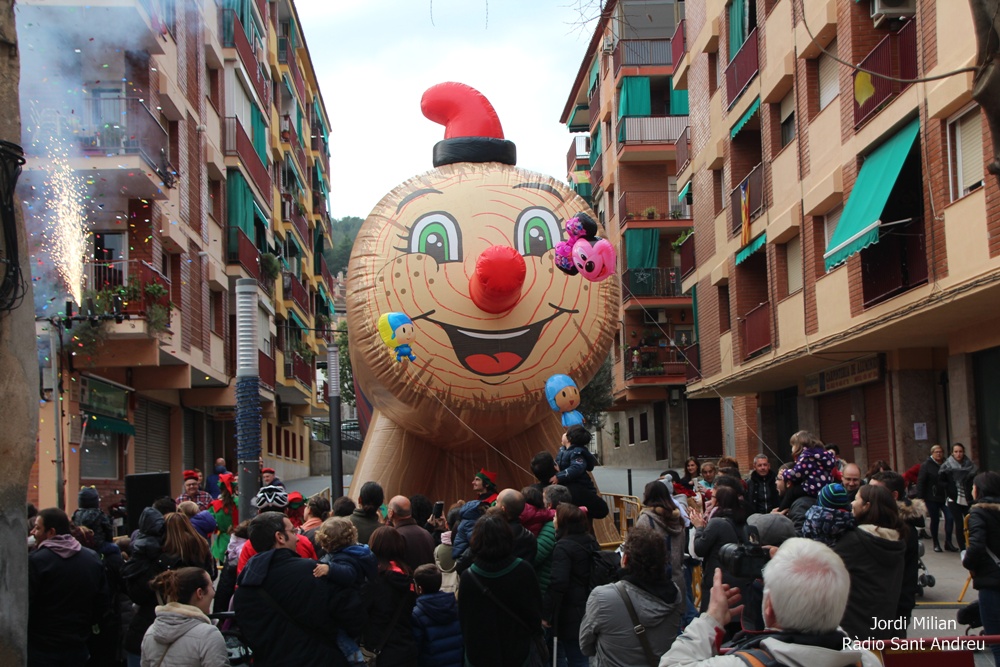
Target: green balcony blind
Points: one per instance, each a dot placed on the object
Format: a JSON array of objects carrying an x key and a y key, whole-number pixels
[
  {"x": 298, "y": 123},
  {"x": 737, "y": 26},
  {"x": 242, "y": 10},
  {"x": 595, "y": 72},
  {"x": 642, "y": 248},
  {"x": 319, "y": 117},
  {"x": 678, "y": 99},
  {"x": 694, "y": 310},
  {"x": 259, "y": 130},
  {"x": 595, "y": 146},
  {"x": 634, "y": 99},
  {"x": 240, "y": 203}
]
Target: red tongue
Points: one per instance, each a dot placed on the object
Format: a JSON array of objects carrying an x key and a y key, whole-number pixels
[{"x": 493, "y": 364}]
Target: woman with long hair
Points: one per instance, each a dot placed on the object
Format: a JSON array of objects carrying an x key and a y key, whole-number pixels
[
  {"x": 607, "y": 630},
  {"x": 182, "y": 635},
  {"x": 183, "y": 546},
  {"x": 873, "y": 553},
  {"x": 691, "y": 468},
  {"x": 727, "y": 526},
  {"x": 389, "y": 600},
  {"x": 661, "y": 514},
  {"x": 984, "y": 537},
  {"x": 957, "y": 474},
  {"x": 569, "y": 581}
]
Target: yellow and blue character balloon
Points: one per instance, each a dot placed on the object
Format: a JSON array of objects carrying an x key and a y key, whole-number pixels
[
  {"x": 397, "y": 331},
  {"x": 563, "y": 396}
]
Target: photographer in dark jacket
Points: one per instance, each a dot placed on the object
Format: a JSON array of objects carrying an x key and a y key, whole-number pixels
[
  {"x": 288, "y": 616},
  {"x": 762, "y": 492},
  {"x": 984, "y": 538}
]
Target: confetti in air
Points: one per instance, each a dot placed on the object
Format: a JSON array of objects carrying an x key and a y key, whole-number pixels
[{"x": 66, "y": 227}]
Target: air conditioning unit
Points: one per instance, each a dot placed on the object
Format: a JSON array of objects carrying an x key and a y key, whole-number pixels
[
  {"x": 285, "y": 415},
  {"x": 609, "y": 44},
  {"x": 885, "y": 10}
]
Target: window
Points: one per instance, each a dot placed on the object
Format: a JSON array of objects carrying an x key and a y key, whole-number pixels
[
  {"x": 965, "y": 153},
  {"x": 216, "y": 311},
  {"x": 724, "y": 321},
  {"x": 99, "y": 455},
  {"x": 631, "y": 431},
  {"x": 829, "y": 81},
  {"x": 713, "y": 72},
  {"x": 617, "y": 434},
  {"x": 643, "y": 427},
  {"x": 830, "y": 221},
  {"x": 718, "y": 196},
  {"x": 793, "y": 264},
  {"x": 786, "y": 116}
]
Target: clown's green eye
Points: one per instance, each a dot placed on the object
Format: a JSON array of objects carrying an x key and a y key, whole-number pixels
[
  {"x": 438, "y": 236},
  {"x": 536, "y": 232}
]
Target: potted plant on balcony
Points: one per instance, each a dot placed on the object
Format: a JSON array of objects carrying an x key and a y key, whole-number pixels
[
  {"x": 681, "y": 239},
  {"x": 649, "y": 212},
  {"x": 157, "y": 319},
  {"x": 676, "y": 213},
  {"x": 270, "y": 267}
]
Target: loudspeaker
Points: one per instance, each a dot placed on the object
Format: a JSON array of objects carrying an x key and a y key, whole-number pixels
[{"x": 140, "y": 492}]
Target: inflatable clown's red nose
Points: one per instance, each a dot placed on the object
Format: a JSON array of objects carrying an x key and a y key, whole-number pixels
[{"x": 495, "y": 285}]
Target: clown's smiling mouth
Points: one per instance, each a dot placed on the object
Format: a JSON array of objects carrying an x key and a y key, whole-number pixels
[{"x": 492, "y": 353}]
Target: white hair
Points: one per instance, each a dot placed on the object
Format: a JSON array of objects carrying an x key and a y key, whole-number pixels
[
  {"x": 808, "y": 586},
  {"x": 760, "y": 456}
]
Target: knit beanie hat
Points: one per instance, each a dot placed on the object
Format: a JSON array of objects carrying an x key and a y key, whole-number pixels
[
  {"x": 88, "y": 498},
  {"x": 834, "y": 496}
]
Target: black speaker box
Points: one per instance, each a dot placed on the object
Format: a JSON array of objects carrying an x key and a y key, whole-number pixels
[{"x": 141, "y": 490}]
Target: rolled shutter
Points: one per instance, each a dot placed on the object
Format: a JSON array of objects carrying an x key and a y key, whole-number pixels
[
  {"x": 970, "y": 133},
  {"x": 829, "y": 81}
]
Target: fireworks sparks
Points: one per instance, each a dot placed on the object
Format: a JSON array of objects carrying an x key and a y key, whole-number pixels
[{"x": 66, "y": 228}]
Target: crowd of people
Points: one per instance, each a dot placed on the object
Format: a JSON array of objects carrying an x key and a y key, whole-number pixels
[{"x": 511, "y": 577}]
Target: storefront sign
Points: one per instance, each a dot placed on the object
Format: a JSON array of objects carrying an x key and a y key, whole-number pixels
[
  {"x": 103, "y": 398},
  {"x": 844, "y": 376}
]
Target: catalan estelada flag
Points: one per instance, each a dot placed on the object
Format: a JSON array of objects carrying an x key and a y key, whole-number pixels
[{"x": 745, "y": 212}]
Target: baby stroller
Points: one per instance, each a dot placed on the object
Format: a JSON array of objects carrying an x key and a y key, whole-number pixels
[
  {"x": 925, "y": 578},
  {"x": 237, "y": 648}
]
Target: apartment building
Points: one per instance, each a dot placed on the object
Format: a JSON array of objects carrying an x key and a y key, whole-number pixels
[
  {"x": 201, "y": 136},
  {"x": 846, "y": 236},
  {"x": 636, "y": 143}
]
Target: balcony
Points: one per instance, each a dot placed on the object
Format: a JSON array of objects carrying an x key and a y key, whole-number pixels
[
  {"x": 896, "y": 264},
  {"x": 597, "y": 172},
  {"x": 579, "y": 151},
  {"x": 298, "y": 368},
  {"x": 241, "y": 250},
  {"x": 292, "y": 213},
  {"x": 693, "y": 365},
  {"x": 267, "y": 369},
  {"x": 895, "y": 56},
  {"x": 755, "y": 331},
  {"x": 235, "y": 37},
  {"x": 650, "y": 130},
  {"x": 130, "y": 279},
  {"x": 656, "y": 365},
  {"x": 237, "y": 143},
  {"x": 682, "y": 147},
  {"x": 323, "y": 270},
  {"x": 656, "y": 283},
  {"x": 286, "y": 56},
  {"x": 687, "y": 256},
  {"x": 594, "y": 104},
  {"x": 291, "y": 137},
  {"x": 755, "y": 187},
  {"x": 742, "y": 69},
  {"x": 293, "y": 290},
  {"x": 642, "y": 53},
  {"x": 678, "y": 43},
  {"x": 635, "y": 207}
]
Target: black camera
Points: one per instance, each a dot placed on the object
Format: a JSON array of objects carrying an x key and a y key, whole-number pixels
[{"x": 746, "y": 559}]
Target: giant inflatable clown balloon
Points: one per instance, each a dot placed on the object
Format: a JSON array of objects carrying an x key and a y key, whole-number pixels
[{"x": 467, "y": 252}]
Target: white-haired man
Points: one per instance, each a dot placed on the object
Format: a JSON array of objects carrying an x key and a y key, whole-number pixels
[{"x": 805, "y": 592}]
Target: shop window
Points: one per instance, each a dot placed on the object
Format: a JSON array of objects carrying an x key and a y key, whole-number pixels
[
  {"x": 965, "y": 153},
  {"x": 99, "y": 455}
]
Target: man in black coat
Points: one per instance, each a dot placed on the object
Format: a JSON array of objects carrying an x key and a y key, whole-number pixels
[
  {"x": 419, "y": 543},
  {"x": 288, "y": 616},
  {"x": 762, "y": 494},
  {"x": 67, "y": 594}
]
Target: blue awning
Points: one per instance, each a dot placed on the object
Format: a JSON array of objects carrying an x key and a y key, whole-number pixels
[
  {"x": 745, "y": 118},
  {"x": 751, "y": 248},
  {"x": 860, "y": 220},
  {"x": 684, "y": 192}
]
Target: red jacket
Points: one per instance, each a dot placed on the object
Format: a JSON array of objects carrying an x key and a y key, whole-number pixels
[{"x": 302, "y": 546}]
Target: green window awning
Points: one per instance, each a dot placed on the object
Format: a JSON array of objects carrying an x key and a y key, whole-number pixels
[
  {"x": 684, "y": 192},
  {"x": 239, "y": 202},
  {"x": 745, "y": 118},
  {"x": 859, "y": 222},
  {"x": 293, "y": 316},
  {"x": 102, "y": 423},
  {"x": 595, "y": 146},
  {"x": 751, "y": 248}
]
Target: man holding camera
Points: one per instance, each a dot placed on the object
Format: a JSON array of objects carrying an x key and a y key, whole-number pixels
[{"x": 805, "y": 593}]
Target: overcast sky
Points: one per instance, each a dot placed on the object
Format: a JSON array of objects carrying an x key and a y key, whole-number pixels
[{"x": 375, "y": 58}]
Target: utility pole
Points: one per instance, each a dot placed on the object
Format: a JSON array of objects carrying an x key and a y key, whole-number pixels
[
  {"x": 247, "y": 396},
  {"x": 333, "y": 399}
]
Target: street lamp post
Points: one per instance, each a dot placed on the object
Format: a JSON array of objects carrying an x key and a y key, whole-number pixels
[{"x": 333, "y": 400}]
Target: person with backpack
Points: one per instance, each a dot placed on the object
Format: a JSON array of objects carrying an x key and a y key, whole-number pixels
[
  {"x": 565, "y": 601},
  {"x": 645, "y": 596},
  {"x": 660, "y": 514}
]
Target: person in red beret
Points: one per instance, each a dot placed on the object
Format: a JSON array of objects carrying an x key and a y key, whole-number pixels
[
  {"x": 191, "y": 492},
  {"x": 268, "y": 478}
]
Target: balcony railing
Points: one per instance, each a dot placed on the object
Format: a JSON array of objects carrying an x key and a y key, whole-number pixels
[
  {"x": 324, "y": 271},
  {"x": 651, "y": 205},
  {"x": 687, "y": 256},
  {"x": 742, "y": 69},
  {"x": 133, "y": 275},
  {"x": 634, "y": 130},
  {"x": 290, "y": 212},
  {"x": 755, "y": 186},
  {"x": 236, "y": 142},
  {"x": 678, "y": 43},
  {"x": 288, "y": 134},
  {"x": 286, "y": 56},
  {"x": 683, "y": 148},
  {"x": 597, "y": 171},
  {"x": 118, "y": 126},
  {"x": 268, "y": 370},
  {"x": 234, "y": 36},
  {"x": 293, "y": 290},
  {"x": 659, "y": 282},
  {"x": 755, "y": 330},
  {"x": 656, "y": 362},
  {"x": 579, "y": 149},
  {"x": 641, "y": 52},
  {"x": 693, "y": 364},
  {"x": 298, "y": 368},
  {"x": 594, "y": 104},
  {"x": 241, "y": 250},
  {"x": 895, "y": 56},
  {"x": 896, "y": 264}
]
